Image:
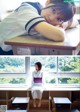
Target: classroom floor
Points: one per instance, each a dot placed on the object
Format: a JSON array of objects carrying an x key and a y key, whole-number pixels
[{"x": 45, "y": 108}]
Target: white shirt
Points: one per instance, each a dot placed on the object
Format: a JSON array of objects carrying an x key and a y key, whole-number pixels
[
  {"x": 37, "y": 74},
  {"x": 21, "y": 21}
]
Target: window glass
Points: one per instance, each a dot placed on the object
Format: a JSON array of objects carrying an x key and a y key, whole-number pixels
[
  {"x": 12, "y": 80},
  {"x": 69, "y": 64},
  {"x": 49, "y": 64},
  {"x": 69, "y": 80},
  {"x": 12, "y": 65}
]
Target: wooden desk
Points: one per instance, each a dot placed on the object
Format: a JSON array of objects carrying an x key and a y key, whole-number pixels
[
  {"x": 61, "y": 100},
  {"x": 16, "y": 111},
  {"x": 26, "y": 45},
  {"x": 58, "y": 101},
  {"x": 21, "y": 102},
  {"x": 7, "y": 94}
]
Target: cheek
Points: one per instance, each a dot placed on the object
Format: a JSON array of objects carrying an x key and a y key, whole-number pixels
[
  {"x": 54, "y": 22},
  {"x": 36, "y": 68},
  {"x": 53, "y": 19}
]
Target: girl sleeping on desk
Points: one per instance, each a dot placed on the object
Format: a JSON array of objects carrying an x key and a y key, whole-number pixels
[{"x": 31, "y": 17}]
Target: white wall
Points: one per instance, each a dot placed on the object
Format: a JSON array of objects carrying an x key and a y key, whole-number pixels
[{"x": 12, "y": 4}]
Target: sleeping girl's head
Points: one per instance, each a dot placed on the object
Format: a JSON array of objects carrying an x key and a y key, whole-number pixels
[
  {"x": 56, "y": 12},
  {"x": 38, "y": 66}
]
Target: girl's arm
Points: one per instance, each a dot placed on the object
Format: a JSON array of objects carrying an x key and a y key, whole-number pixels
[
  {"x": 43, "y": 81},
  {"x": 50, "y": 31},
  {"x": 32, "y": 82}
]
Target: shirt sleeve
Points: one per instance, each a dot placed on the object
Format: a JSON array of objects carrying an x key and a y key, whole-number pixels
[
  {"x": 32, "y": 78},
  {"x": 42, "y": 78},
  {"x": 28, "y": 17}
]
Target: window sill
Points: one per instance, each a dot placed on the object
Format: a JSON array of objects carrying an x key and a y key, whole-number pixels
[
  {"x": 62, "y": 87},
  {"x": 46, "y": 88}
]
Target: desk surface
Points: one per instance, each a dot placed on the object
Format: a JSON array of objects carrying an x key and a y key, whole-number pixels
[
  {"x": 72, "y": 40},
  {"x": 16, "y": 111},
  {"x": 20, "y": 100},
  {"x": 61, "y": 100}
]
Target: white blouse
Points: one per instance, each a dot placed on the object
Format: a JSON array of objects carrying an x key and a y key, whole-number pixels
[{"x": 37, "y": 78}]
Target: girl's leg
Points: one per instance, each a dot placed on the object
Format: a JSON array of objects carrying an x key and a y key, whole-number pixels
[
  {"x": 34, "y": 97},
  {"x": 39, "y": 98},
  {"x": 34, "y": 102},
  {"x": 39, "y": 103}
]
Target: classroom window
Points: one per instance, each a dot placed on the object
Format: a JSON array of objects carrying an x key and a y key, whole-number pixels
[
  {"x": 12, "y": 80},
  {"x": 50, "y": 80},
  {"x": 12, "y": 65},
  {"x": 69, "y": 64},
  {"x": 69, "y": 67},
  {"x": 13, "y": 70},
  {"x": 49, "y": 64},
  {"x": 59, "y": 70},
  {"x": 69, "y": 80}
]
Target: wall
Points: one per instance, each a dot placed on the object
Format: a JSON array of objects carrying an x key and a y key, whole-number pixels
[{"x": 12, "y": 4}]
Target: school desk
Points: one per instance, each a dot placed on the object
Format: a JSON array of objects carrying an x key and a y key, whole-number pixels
[
  {"x": 34, "y": 45},
  {"x": 58, "y": 101},
  {"x": 7, "y": 93}
]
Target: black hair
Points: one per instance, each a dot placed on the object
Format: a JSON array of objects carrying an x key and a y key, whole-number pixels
[
  {"x": 66, "y": 10},
  {"x": 56, "y": 1},
  {"x": 39, "y": 65},
  {"x": 72, "y": 3}
]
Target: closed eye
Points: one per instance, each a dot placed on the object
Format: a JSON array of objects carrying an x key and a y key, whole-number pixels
[
  {"x": 54, "y": 11},
  {"x": 60, "y": 20}
]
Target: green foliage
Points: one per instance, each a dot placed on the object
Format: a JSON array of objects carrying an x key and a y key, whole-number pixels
[
  {"x": 48, "y": 63},
  {"x": 74, "y": 81},
  {"x": 51, "y": 81},
  {"x": 65, "y": 63},
  {"x": 69, "y": 64},
  {"x": 69, "y": 80},
  {"x": 12, "y": 65},
  {"x": 10, "y": 61},
  {"x": 12, "y": 80}
]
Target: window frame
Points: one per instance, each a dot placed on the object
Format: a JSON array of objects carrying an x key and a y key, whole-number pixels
[
  {"x": 56, "y": 75},
  {"x": 17, "y": 75}
]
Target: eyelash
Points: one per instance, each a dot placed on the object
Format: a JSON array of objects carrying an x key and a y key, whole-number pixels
[
  {"x": 54, "y": 11},
  {"x": 59, "y": 19}
]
